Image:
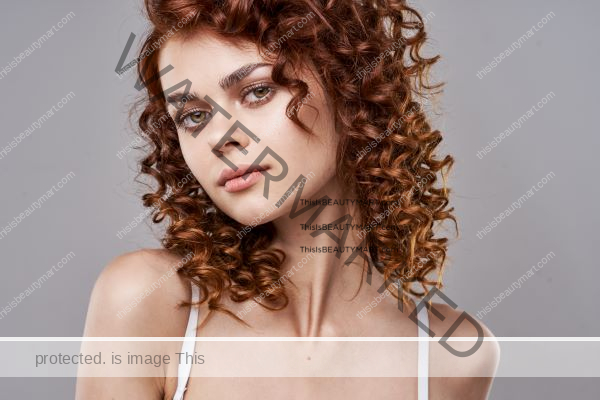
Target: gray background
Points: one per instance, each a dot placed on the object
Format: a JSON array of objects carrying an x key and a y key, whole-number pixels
[{"x": 86, "y": 134}]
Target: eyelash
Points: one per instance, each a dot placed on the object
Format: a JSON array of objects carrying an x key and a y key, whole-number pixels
[{"x": 181, "y": 121}]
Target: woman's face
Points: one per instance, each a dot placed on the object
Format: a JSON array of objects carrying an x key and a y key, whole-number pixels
[{"x": 212, "y": 65}]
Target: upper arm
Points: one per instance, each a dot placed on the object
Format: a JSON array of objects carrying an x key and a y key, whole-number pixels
[{"x": 136, "y": 295}]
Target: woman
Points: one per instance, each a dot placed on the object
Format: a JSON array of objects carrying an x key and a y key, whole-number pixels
[{"x": 314, "y": 168}]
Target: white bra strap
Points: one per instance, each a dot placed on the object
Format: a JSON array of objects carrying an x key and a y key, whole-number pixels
[
  {"x": 423, "y": 360},
  {"x": 188, "y": 346}
]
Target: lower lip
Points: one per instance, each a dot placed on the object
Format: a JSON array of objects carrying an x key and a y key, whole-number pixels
[{"x": 239, "y": 183}]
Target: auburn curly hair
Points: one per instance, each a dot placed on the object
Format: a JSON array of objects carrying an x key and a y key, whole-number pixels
[{"x": 367, "y": 55}]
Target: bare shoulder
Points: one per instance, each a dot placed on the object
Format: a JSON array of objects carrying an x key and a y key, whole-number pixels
[
  {"x": 464, "y": 368},
  {"x": 136, "y": 294}
]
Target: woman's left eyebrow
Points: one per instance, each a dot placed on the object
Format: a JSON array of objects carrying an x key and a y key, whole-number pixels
[
  {"x": 231, "y": 79},
  {"x": 225, "y": 82}
]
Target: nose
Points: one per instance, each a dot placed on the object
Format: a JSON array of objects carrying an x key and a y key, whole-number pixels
[{"x": 227, "y": 135}]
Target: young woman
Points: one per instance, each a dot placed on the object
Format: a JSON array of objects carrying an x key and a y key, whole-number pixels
[{"x": 298, "y": 177}]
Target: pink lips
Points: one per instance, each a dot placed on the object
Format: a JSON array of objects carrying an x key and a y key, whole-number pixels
[{"x": 233, "y": 181}]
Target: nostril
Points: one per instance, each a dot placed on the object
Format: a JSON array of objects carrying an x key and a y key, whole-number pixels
[{"x": 237, "y": 145}]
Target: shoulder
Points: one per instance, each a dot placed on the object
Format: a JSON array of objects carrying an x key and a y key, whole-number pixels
[
  {"x": 444, "y": 317},
  {"x": 136, "y": 293},
  {"x": 465, "y": 367}
]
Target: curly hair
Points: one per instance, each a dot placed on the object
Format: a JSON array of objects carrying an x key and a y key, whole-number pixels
[{"x": 367, "y": 55}]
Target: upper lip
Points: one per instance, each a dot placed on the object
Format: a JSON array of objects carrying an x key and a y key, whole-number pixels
[{"x": 228, "y": 173}]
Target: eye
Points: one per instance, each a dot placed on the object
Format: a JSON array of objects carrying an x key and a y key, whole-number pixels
[
  {"x": 194, "y": 118},
  {"x": 197, "y": 117},
  {"x": 261, "y": 92},
  {"x": 257, "y": 94}
]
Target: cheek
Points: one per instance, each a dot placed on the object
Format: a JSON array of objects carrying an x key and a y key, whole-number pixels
[
  {"x": 196, "y": 162},
  {"x": 314, "y": 157}
]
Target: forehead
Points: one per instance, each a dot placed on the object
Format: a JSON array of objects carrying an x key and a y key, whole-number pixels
[{"x": 203, "y": 58}]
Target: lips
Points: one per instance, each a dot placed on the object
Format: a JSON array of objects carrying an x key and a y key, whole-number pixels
[{"x": 229, "y": 174}]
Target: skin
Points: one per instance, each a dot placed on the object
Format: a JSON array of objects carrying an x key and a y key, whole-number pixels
[{"x": 327, "y": 296}]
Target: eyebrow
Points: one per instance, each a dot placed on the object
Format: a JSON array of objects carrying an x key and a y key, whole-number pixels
[
  {"x": 231, "y": 79},
  {"x": 178, "y": 97},
  {"x": 225, "y": 82}
]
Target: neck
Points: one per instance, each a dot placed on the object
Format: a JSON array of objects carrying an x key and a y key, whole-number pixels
[{"x": 321, "y": 280}]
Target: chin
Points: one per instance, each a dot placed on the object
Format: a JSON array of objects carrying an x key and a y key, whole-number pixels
[{"x": 253, "y": 209}]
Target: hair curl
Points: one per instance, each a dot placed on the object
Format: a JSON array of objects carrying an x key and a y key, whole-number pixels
[{"x": 342, "y": 40}]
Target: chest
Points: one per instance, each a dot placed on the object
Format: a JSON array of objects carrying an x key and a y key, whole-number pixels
[{"x": 302, "y": 388}]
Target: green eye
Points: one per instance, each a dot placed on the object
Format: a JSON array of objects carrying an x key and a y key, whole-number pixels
[
  {"x": 198, "y": 117},
  {"x": 193, "y": 119},
  {"x": 257, "y": 94},
  {"x": 261, "y": 92}
]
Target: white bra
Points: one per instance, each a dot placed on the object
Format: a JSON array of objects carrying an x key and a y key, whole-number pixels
[{"x": 183, "y": 373}]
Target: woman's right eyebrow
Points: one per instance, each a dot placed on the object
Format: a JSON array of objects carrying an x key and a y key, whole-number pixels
[{"x": 176, "y": 98}]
